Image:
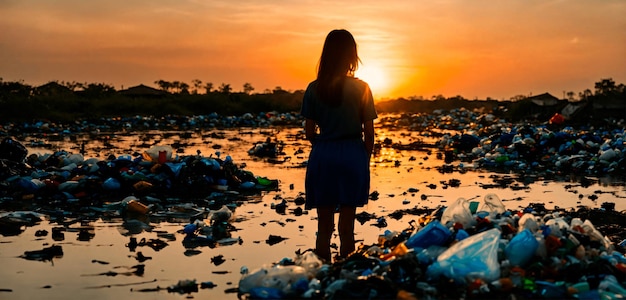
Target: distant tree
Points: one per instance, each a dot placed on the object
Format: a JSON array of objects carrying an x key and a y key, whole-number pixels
[
  {"x": 197, "y": 83},
  {"x": 518, "y": 97},
  {"x": 208, "y": 87},
  {"x": 457, "y": 97},
  {"x": 584, "y": 95},
  {"x": 570, "y": 95},
  {"x": 176, "y": 86},
  {"x": 73, "y": 85},
  {"x": 248, "y": 88},
  {"x": 183, "y": 88},
  {"x": 14, "y": 89},
  {"x": 225, "y": 88},
  {"x": 605, "y": 87},
  {"x": 164, "y": 85},
  {"x": 621, "y": 88},
  {"x": 98, "y": 90},
  {"x": 279, "y": 90},
  {"x": 438, "y": 97}
]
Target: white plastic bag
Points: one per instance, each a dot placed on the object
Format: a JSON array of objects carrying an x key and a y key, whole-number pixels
[
  {"x": 493, "y": 205},
  {"x": 528, "y": 221},
  {"x": 458, "y": 212}
]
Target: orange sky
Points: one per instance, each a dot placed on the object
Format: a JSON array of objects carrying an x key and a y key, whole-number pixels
[{"x": 476, "y": 49}]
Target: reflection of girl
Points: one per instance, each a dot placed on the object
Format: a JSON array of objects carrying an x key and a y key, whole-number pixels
[{"x": 338, "y": 177}]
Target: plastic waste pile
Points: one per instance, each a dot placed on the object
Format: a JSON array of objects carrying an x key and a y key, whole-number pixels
[
  {"x": 268, "y": 148},
  {"x": 67, "y": 181},
  {"x": 485, "y": 141},
  {"x": 471, "y": 249},
  {"x": 538, "y": 149},
  {"x": 170, "y": 122},
  {"x": 212, "y": 231}
]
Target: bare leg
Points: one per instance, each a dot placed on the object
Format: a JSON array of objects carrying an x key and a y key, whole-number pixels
[
  {"x": 325, "y": 228},
  {"x": 347, "y": 215}
]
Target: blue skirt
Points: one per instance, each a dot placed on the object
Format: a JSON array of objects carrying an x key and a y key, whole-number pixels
[{"x": 337, "y": 174}]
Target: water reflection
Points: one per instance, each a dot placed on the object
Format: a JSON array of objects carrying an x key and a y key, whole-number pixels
[{"x": 161, "y": 251}]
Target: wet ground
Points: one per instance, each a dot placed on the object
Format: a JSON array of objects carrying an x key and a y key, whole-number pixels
[{"x": 146, "y": 256}]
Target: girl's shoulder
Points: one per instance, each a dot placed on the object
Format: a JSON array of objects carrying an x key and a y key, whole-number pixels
[
  {"x": 312, "y": 84},
  {"x": 355, "y": 81}
]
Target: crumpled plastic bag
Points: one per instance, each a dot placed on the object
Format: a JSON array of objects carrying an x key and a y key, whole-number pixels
[
  {"x": 557, "y": 226},
  {"x": 224, "y": 214},
  {"x": 595, "y": 235},
  {"x": 278, "y": 279},
  {"x": 471, "y": 258},
  {"x": 528, "y": 221},
  {"x": 458, "y": 212},
  {"x": 493, "y": 205},
  {"x": 433, "y": 234},
  {"x": 309, "y": 261},
  {"x": 521, "y": 248}
]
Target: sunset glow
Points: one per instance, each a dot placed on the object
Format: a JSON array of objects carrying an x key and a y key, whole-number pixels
[
  {"x": 376, "y": 77},
  {"x": 476, "y": 49}
]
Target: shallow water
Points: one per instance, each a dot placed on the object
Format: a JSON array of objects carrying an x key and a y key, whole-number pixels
[{"x": 101, "y": 267}]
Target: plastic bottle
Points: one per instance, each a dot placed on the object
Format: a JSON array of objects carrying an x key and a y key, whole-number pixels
[
  {"x": 397, "y": 251},
  {"x": 551, "y": 290},
  {"x": 610, "y": 284}
]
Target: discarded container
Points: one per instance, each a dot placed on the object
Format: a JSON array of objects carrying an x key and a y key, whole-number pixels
[
  {"x": 162, "y": 157},
  {"x": 111, "y": 184},
  {"x": 138, "y": 207},
  {"x": 433, "y": 234}
]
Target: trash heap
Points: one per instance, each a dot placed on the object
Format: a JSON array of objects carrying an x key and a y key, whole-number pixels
[
  {"x": 70, "y": 181},
  {"x": 471, "y": 249},
  {"x": 169, "y": 122},
  {"x": 537, "y": 149},
  {"x": 484, "y": 141}
]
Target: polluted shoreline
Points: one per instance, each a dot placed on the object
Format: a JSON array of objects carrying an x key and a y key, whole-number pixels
[{"x": 461, "y": 248}]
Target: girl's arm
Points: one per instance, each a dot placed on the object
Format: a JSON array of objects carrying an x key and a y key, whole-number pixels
[
  {"x": 368, "y": 132},
  {"x": 310, "y": 129}
]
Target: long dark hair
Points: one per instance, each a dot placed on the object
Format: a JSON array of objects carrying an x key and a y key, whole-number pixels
[{"x": 339, "y": 59}]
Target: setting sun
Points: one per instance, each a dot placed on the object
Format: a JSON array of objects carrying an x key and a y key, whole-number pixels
[{"x": 375, "y": 76}]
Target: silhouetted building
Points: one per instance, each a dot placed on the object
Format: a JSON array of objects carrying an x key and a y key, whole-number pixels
[
  {"x": 539, "y": 107},
  {"x": 143, "y": 91},
  {"x": 52, "y": 88}
]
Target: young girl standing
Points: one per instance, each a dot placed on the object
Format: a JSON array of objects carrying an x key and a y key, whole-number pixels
[{"x": 342, "y": 108}]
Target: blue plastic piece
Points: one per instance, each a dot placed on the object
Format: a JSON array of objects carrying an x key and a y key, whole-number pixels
[{"x": 433, "y": 234}]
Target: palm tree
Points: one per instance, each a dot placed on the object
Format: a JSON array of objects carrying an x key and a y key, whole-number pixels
[
  {"x": 197, "y": 83},
  {"x": 605, "y": 86},
  {"x": 248, "y": 88},
  {"x": 225, "y": 88},
  {"x": 164, "y": 85},
  {"x": 208, "y": 87},
  {"x": 183, "y": 88}
]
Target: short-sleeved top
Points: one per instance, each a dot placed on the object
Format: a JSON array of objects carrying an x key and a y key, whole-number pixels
[{"x": 343, "y": 121}]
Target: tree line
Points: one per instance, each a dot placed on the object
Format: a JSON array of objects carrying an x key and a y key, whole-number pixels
[{"x": 66, "y": 101}]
